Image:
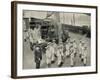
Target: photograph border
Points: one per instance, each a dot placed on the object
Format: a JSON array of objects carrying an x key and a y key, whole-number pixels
[{"x": 14, "y": 37}]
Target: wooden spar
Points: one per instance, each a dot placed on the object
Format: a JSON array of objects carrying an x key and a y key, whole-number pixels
[{"x": 59, "y": 27}]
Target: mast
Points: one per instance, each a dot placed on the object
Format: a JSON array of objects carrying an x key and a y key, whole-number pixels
[
  {"x": 59, "y": 27},
  {"x": 73, "y": 19}
]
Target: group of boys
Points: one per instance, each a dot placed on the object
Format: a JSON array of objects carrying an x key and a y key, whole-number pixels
[{"x": 59, "y": 52}]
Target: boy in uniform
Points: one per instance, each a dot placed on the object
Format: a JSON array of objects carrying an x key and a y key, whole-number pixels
[
  {"x": 37, "y": 55},
  {"x": 72, "y": 54},
  {"x": 54, "y": 51},
  {"x": 84, "y": 54},
  {"x": 48, "y": 54},
  {"x": 60, "y": 54}
]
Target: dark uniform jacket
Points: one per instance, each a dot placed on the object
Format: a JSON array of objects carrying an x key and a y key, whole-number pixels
[{"x": 38, "y": 54}]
